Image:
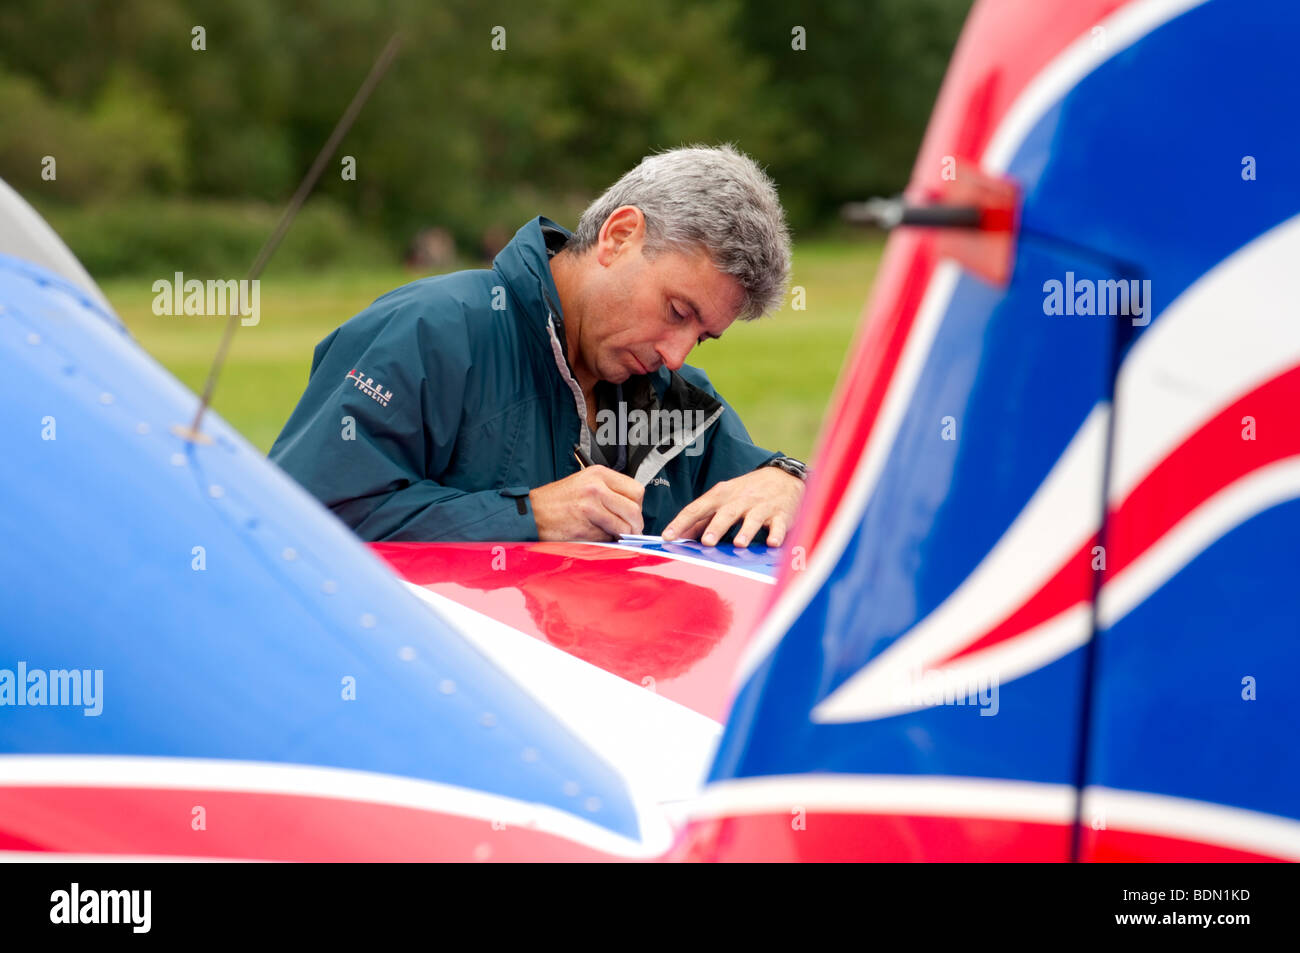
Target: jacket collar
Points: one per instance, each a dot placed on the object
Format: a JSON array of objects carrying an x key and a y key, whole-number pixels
[{"x": 525, "y": 265}]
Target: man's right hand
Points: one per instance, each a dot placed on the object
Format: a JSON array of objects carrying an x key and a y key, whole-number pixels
[{"x": 596, "y": 504}]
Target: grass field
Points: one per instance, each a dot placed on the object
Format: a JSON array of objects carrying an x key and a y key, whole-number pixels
[{"x": 778, "y": 372}]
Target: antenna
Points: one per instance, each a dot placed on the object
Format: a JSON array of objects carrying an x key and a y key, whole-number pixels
[{"x": 377, "y": 71}]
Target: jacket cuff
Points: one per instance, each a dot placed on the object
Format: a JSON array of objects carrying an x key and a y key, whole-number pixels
[{"x": 523, "y": 525}]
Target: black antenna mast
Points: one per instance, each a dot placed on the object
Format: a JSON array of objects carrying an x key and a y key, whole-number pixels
[{"x": 384, "y": 60}]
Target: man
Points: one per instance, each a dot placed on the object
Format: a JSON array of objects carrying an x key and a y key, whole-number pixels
[{"x": 548, "y": 398}]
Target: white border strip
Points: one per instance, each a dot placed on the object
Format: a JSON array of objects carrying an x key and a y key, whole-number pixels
[
  {"x": 1190, "y": 820},
  {"x": 927, "y": 795},
  {"x": 261, "y": 777},
  {"x": 1185, "y": 819}
]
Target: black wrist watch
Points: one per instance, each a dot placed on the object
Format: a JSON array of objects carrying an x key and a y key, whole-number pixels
[{"x": 790, "y": 465}]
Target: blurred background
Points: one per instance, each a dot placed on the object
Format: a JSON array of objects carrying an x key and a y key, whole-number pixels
[{"x": 170, "y": 158}]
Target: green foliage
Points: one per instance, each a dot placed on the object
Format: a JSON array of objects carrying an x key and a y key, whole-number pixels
[
  {"x": 858, "y": 96},
  {"x": 124, "y": 143},
  {"x": 459, "y": 134},
  {"x": 207, "y": 239}
]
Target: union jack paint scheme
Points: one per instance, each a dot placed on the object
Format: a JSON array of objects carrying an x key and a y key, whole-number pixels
[
  {"x": 1124, "y": 639},
  {"x": 1040, "y": 603}
]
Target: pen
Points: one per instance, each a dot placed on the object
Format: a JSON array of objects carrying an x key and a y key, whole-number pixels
[{"x": 584, "y": 461}]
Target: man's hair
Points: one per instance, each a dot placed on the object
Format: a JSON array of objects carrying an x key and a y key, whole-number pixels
[{"x": 714, "y": 199}]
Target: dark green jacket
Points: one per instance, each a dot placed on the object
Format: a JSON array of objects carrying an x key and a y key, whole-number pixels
[{"x": 432, "y": 413}]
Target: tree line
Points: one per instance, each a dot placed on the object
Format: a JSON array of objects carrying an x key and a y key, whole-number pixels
[{"x": 210, "y": 110}]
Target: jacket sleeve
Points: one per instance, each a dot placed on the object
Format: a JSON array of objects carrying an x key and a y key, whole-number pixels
[{"x": 367, "y": 450}]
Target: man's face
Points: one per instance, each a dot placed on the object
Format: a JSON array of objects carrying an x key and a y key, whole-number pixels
[{"x": 638, "y": 313}]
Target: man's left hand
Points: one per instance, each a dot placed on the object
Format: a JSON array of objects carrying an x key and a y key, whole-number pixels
[{"x": 767, "y": 497}]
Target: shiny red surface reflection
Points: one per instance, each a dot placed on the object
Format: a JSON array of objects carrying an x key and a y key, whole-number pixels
[{"x": 673, "y": 626}]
